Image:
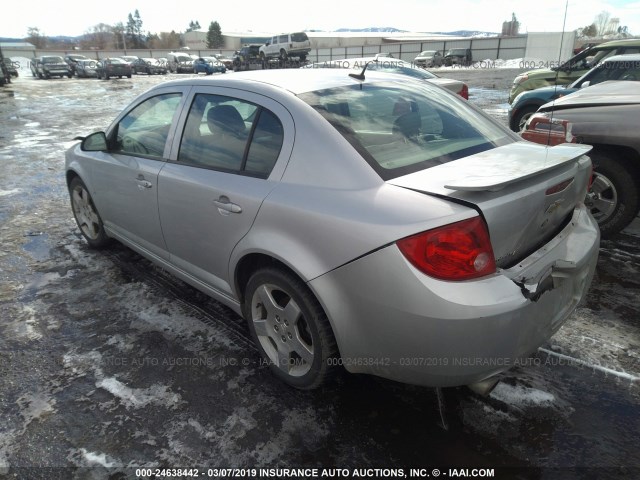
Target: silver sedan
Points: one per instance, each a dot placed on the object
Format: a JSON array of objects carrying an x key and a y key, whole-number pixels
[{"x": 371, "y": 222}]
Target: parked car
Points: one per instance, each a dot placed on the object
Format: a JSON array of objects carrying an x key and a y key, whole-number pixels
[
  {"x": 606, "y": 116},
  {"x": 367, "y": 222},
  {"x": 113, "y": 67},
  {"x": 393, "y": 65},
  {"x": 49, "y": 66},
  {"x": 5, "y": 76},
  {"x": 226, "y": 61},
  {"x": 429, "y": 59},
  {"x": 458, "y": 56},
  {"x": 247, "y": 55},
  {"x": 573, "y": 68},
  {"x": 285, "y": 46},
  {"x": 208, "y": 65},
  {"x": 10, "y": 67},
  {"x": 72, "y": 60},
  {"x": 130, "y": 59},
  {"x": 619, "y": 67},
  {"x": 179, "y": 62},
  {"x": 86, "y": 68},
  {"x": 150, "y": 66}
]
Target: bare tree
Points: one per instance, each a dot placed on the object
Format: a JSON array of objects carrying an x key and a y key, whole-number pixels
[
  {"x": 99, "y": 36},
  {"x": 602, "y": 23},
  {"x": 35, "y": 37}
]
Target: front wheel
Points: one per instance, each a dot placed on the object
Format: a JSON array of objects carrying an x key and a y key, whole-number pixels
[
  {"x": 522, "y": 116},
  {"x": 613, "y": 198},
  {"x": 290, "y": 328},
  {"x": 86, "y": 215}
]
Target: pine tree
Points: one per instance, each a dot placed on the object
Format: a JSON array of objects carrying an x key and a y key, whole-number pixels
[{"x": 214, "y": 36}]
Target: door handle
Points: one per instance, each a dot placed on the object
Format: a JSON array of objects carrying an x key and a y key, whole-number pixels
[
  {"x": 225, "y": 206},
  {"x": 142, "y": 183}
]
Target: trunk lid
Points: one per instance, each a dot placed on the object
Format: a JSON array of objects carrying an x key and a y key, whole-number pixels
[{"x": 525, "y": 192}]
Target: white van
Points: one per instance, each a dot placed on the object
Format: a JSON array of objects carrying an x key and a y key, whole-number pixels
[
  {"x": 179, "y": 62},
  {"x": 287, "y": 45}
]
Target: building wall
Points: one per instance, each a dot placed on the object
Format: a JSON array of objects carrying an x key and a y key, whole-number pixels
[{"x": 539, "y": 46}]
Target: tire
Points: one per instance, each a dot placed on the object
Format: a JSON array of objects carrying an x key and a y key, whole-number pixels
[
  {"x": 86, "y": 215},
  {"x": 106, "y": 76},
  {"x": 303, "y": 58},
  {"x": 283, "y": 55},
  {"x": 519, "y": 120},
  {"x": 613, "y": 198},
  {"x": 129, "y": 76},
  {"x": 290, "y": 329}
]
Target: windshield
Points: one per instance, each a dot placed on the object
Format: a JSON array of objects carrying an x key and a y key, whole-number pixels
[
  {"x": 52, "y": 60},
  {"x": 401, "y": 128},
  {"x": 428, "y": 53}
]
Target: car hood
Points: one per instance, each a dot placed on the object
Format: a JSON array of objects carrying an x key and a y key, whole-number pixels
[
  {"x": 605, "y": 93},
  {"x": 525, "y": 192}
]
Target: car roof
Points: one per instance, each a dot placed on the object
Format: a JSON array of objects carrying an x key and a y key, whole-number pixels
[
  {"x": 630, "y": 57},
  {"x": 618, "y": 43},
  {"x": 606, "y": 93},
  {"x": 296, "y": 81}
]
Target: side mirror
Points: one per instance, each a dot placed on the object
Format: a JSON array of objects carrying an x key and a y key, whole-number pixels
[
  {"x": 585, "y": 84},
  {"x": 96, "y": 142}
]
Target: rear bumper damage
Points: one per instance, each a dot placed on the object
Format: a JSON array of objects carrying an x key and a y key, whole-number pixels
[{"x": 393, "y": 321}]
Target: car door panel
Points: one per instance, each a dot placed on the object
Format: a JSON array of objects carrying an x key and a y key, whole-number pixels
[
  {"x": 206, "y": 209},
  {"x": 125, "y": 178}
]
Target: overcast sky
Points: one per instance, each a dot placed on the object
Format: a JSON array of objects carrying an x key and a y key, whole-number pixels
[{"x": 75, "y": 17}]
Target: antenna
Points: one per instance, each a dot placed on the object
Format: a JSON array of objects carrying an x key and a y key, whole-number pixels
[
  {"x": 360, "y": 76},
  {"x": 564, "y": 23}
]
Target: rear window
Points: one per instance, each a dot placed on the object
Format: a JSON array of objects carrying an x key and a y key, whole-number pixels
[
  {"x": 401, "y": 128},
  {"x": 299, "y": 37},
  {"x": 52, "y": 60}
]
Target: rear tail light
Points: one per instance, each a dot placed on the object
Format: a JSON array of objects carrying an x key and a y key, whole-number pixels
[
  {"x": 464, "y": 93},
  {"x": 459, "y": 251}
]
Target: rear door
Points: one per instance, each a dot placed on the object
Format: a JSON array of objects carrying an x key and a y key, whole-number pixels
[{"x": 231, "y": 154}]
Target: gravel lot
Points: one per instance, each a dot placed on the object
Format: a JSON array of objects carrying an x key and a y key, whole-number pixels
[{"x": 108, "y": 364}]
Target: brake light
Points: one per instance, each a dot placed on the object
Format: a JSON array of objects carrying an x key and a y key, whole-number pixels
[
  {"x": 458, "y": 251},
  {"x": 464, "y": 93}
]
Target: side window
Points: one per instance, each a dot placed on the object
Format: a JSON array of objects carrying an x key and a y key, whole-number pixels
[
  {"x": 144, "y": 130},
  {"x": 265, "y": 145},
  {"x": 283, "y": 39},
  {"x": 232, "y": 135}
]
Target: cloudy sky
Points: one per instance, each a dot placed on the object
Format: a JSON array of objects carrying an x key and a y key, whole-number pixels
[{"x": 75, "y": 17}]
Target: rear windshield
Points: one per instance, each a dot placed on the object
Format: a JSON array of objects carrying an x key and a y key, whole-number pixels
[
  {"x": 299, "y": 37},
  {"x": 52, "y": 60},
  {"x": 404, "y": 127}
]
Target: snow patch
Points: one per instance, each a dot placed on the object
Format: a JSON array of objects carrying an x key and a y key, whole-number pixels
[
  {"x": 140, "y": 397},
  {"x": 35, "y": 405},
  {"x": 85, "y": 458},
  {"x": 522, "y": 396},
  {"x": 6, "y": 193}
]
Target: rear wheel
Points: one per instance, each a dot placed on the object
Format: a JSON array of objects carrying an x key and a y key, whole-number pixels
[
  {"x": 86, "y": 215},
  {"x": 613, "y": 197},
  {"x": 290, "y": 328},
  {"x": 283, "y": 55}
]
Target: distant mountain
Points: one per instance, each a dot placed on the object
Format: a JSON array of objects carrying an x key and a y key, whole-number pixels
[
  {"x": 370, "y": 29},
  {"x": 469, "y": 33}
]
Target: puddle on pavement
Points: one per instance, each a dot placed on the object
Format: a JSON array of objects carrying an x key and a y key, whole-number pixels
[{"x": 37, "y": 245}]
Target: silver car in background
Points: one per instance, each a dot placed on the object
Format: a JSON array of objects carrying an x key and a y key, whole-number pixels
[
  {"x": 394, "y": 65},
  {"x": 374, "y": 222}
]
